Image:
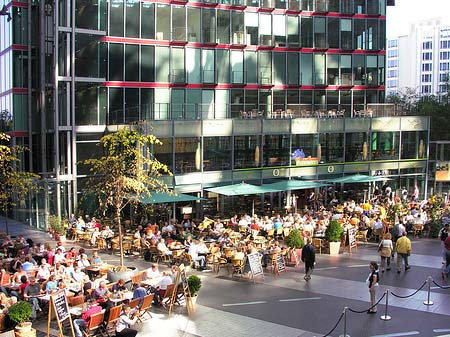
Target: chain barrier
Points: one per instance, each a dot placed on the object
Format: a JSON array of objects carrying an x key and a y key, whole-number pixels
[
  {"x": 373, "y": 306},
  {"x": 335, "y": 326},
  {"x": 400, "y": 296},
  {"x": 440, "y": 286},
  {"x": 386, "y": 317}
]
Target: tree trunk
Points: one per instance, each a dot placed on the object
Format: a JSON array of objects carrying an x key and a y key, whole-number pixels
[{"x": 120, "y": 237}]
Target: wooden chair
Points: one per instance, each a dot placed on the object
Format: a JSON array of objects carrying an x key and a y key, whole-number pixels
[
  {"x": 270, "y": 233},
  {"x": 75, "y": 300},
  {"x": 177, "y": 256},
  {"x": 286, "y": 231},
  {"x": 417, "y": 230},
  {"x": 318, "y": 244},
  {"x": 136, "y": 278},
  {"x": 238, "y": 263},
  {"x": 279, "y": 233},
  {"x": 134, "y": 303},
  {"x": 166, "y": 299},
  {"x": 101, "y": 243},
  {"x": 109, "y": 326},
  {"x": 145, "y": 307},
  {"x": 362, "y": 235},
  {"x": 95, "y": 323}
]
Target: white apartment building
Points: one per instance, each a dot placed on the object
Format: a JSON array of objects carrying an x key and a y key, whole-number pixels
[{"x": 421, "y": 59}]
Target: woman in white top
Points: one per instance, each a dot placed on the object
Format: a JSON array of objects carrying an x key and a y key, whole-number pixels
[
  {"x": 43, "y": 272},
  {"x": 123, "y": 324},
  {"x": 385, "y": 248}
]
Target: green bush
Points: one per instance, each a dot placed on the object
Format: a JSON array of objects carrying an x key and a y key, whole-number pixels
[
  {"x": 295, "y": 239},
  {"x": 57, "y": 224},
  {"x": 334, "y": 231},
  {"x": 20, "y": 312},
  {"x": 195, "y": 283}
]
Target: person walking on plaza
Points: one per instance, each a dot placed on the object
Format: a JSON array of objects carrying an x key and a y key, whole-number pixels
[
  {"x": 385, "y": 248},
  {"x": 403, "y": 246},
  {"x": 309, "y": 258},
  {"x": 372, "y": 283},
  {"x": 443, "y": 234}
]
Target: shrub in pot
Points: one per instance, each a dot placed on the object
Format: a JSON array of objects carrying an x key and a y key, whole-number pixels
[
  {"x": 194, "y": 283},
  {"x": 20, "y": 313},
  {"x": 296, "y": 242},
  {"x": 334, "y": 234}
]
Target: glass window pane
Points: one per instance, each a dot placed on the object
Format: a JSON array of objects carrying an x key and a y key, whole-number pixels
[
  {"x": 131, "y": 105},
  {"x": 148, "y": 20},
  {"x": 279, "y": 30},
  {"x": 162, "y": 22},
  {"x": 265, "y": 29},
  {"x": 217, "y": 153},
  {"x": 116, "y": 62},
  {"x": 223, "y": 66},
  {"x": 179, "y": 23},
  {"x": 358, "y": 69},
  {"x": 333, "y": 32},
  {"x": 208, "y": 65},
  {"x": 320, "y": 39},
  {"x": 88, "y": 13},
  {"x": 244, "y": 151},
  {"x": 251, "y": 28},
  {"x": 251, "y": 69},
  {"x": 116, "y": 20},
  {"x": 223, "y": 26},
  {"x": 132, "y": 18},
  {"x": 319, "y": 69},
  {"x": 359, "y": 28},
  {"x": 147, "y": 106},
  {"x": 193, "y": 65},
  {"x": 177, "y": 66},
  {"x": 306, "y": 69},
  {"x": 265, "y": 68},
  {"x": 333, "y": 69},
  {"x": 90, "y": 58},
  {"x": 307, "y": 31},
  {"x": 372, "y": 34},
  {"x": 189, "y": 155},
  {"x": 208, "y": 25},
  {"x": 115, "y": 115},
  {"x": 86, "y": 106},
  {"x": 162, "y": 64},
  {"x": 346, "y": 34},
  {"x": 131, "y": 62},
  {"x": 237, "y": 66},
  {"x": 147, "y": 63},
  {"x": 279, "y": 64},
  {"x": 193, "y": 24},
  {"x": 293, "y": 31},
  {"x": 293, "y": 69},
  {"x": 237, "y": 27}
]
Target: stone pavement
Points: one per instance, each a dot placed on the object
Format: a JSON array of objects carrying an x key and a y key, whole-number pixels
[{"x": 285, "y": 305}]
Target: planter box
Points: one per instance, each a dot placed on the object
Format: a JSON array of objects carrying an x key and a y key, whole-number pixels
[{"x": 334, "y": 248}]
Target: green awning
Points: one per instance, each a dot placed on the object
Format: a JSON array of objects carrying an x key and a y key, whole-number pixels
[
  {"x": 162, "y": 197},
  {"x": 289, "y": 185},
  {"x": 240, "y": 189},
  {"x": 357, "y": 178}
]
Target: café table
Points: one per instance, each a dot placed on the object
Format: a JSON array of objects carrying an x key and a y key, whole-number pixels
[
  {"x": 152, "y": 282},
  {"x": 77, "y": 310},
  {"x": 121, "y": 296}
]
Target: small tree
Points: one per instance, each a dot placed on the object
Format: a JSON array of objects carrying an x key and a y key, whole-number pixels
[
  {"x": 20, "y": 312},
  {"x": 194, "y": 283},
  {"x": 295, "y": 239},
  {"x": 15, "y": 185},
  {"x": 126, "y": 172},
  {"x": 334, "y": 231}
]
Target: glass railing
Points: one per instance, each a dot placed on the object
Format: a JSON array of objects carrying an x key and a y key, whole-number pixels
[{"x": 199, "y": 111}]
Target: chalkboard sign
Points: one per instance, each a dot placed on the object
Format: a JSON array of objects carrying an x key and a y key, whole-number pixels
[
  {"x": 61, "y": 306},
  {"x": 187, "y": 294},
  {"x": 255, "y": 264},
  {"x": 280, "y": 265},
  {"x": 184, "y": 279},
  {"x": 351, "y": 236}
]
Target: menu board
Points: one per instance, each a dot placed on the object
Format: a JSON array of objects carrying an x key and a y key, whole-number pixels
[
  {"x": 61, "y": 306},
  {"x": 281, "y": 266},
  {"x": 255, "y": 264}
]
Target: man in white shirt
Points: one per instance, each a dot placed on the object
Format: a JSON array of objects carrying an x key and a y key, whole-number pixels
[
  {"x": 152, "y": 272},
  {"x": 194, "y": 250}
]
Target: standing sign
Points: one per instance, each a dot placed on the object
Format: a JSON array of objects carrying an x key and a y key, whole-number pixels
[
  {"x": 185, "y": 285},
  {"x": 256, "y": 268},
  {"x": 58, "y": 305},
  {"x": 280, "y": 266},
  {"x": 351, "y": 237}
]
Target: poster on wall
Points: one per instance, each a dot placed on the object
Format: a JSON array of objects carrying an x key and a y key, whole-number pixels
[{"x": 442, "y": 171}]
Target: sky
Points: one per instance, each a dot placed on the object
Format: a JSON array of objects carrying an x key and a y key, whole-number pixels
[{"x": 405, "y": 11}]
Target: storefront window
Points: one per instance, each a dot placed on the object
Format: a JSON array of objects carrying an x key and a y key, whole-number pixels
[
  {"x": 189, "y": 155},
  {"x": 164, "y": 152},
  {"x": 246, "y": 152},
  {"x": 357, "y": 146},
  {"x": 217, "y": 153},
  {"x": 276, "y": 150},
  {"x": 385, "y": 145},
  {"x": 331, "y": 148},
  {"x": 414, "y": 145}
]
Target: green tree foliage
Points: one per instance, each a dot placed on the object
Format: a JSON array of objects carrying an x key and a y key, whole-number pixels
[
  {"x": 126, "y": 172},
  {"x": 15, "y": 184}
]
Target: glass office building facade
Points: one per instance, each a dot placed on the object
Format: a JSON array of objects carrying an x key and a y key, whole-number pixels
[{"x": 231, "y": 87}]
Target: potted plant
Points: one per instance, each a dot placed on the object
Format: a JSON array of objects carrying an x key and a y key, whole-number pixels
[
  {"x": 296, "y": 242},
  {"x": 333, "y": 235},
  {"x": 57, "y": 227},
  {"x": 20, "y": 314},
  {"x": 194, "y": 283}
]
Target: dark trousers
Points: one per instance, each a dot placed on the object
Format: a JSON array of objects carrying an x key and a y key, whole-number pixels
[
  {"x": 127, "y": 332},
  {"x": 309, "y": 266}
]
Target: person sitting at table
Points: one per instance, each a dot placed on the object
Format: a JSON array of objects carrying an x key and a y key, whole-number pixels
[
  {"x": 52, "y": 284},
  {"x": 95, "y": 259},
  {"x": 43, "y": 272},
  {"x": 59, "y": 256},
  {"x": 80, "y": 225},
  {"x": 123, "y": 326},
  {"x": 163, "y": 248},
  {"x": 160, "y": 288},
  {"x": 5, "y": 280},
  {"x": 224, "y": 239},
  {"x": 28, "y": 266},
  {"x": 83, "y": 262},
  {"x": 72, "y": 254},
  {"x": 152, "y": 272},
  {"x": 30, "y": 293},
  {"x": 60, "y": 271},
  {"x": 273, "y": 250},
  {"x": 139, "y": 292},
  {"x": 17, "y": 276},
  {"x": 80, "y": 323},
  {"x": 194, "y": 251},
  {"x": 101, "y": 295},
  {"x": 78, "y": 275},
  {"x": 119, "y": 286}
]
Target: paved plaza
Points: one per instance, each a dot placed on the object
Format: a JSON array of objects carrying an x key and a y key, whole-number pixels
[{"x": 286, "y": 305}]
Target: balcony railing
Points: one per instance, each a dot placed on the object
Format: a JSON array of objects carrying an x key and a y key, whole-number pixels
[{"x": 198, "y": 111}]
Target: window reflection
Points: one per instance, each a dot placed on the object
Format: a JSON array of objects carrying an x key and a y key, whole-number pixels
[{"x": 217, "y": 153}]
